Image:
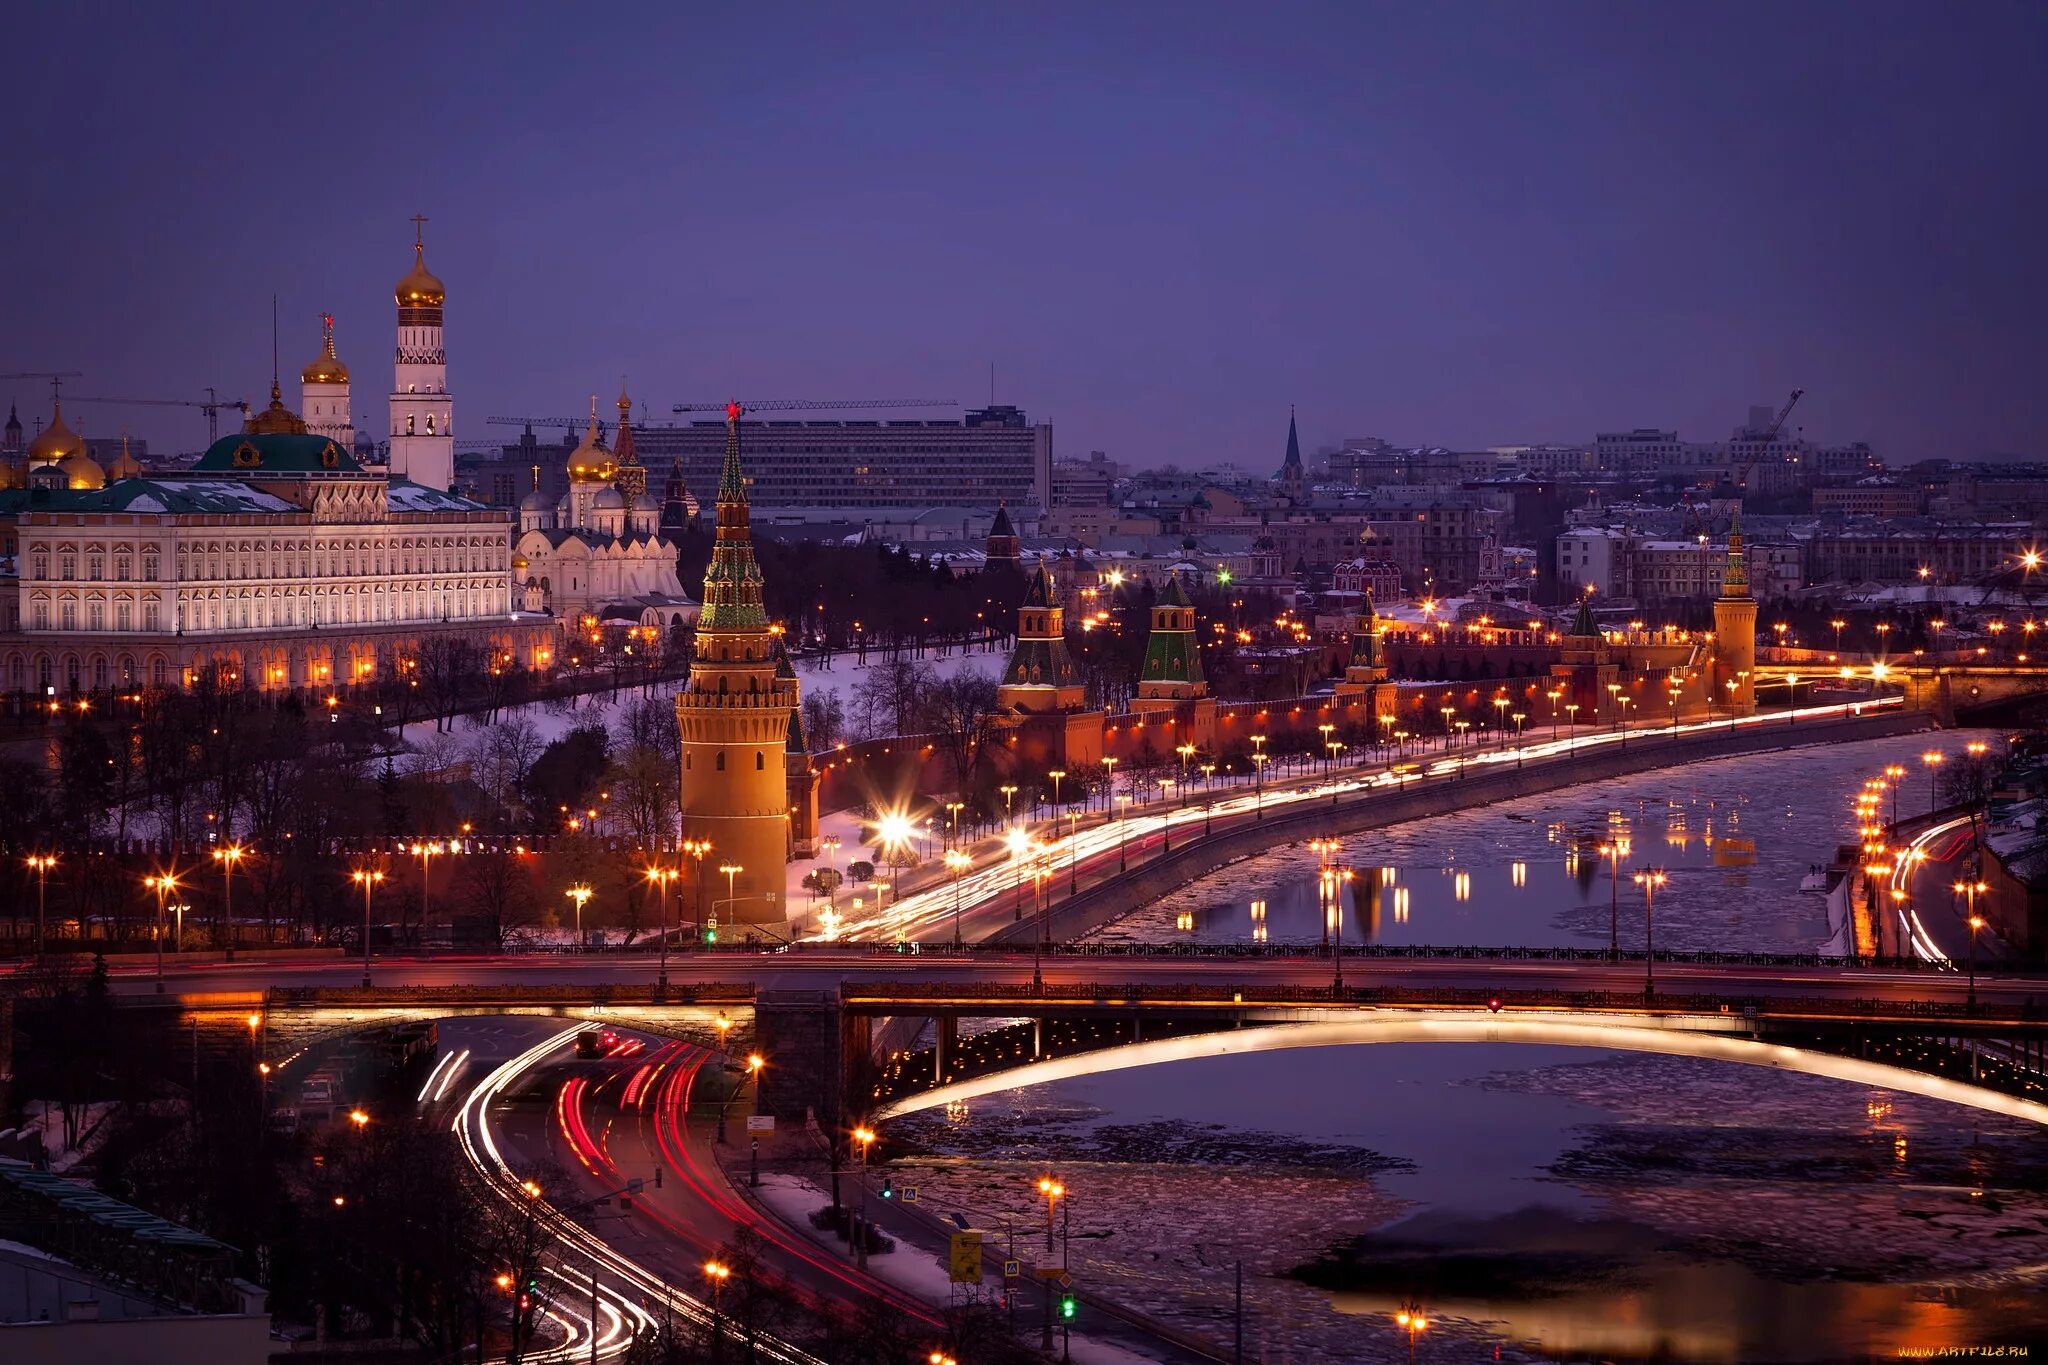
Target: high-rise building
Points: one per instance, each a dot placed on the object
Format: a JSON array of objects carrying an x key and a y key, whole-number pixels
[
  {"x": 735, "y": 722},
  {"x": 422, "y": 414},
  {"x": 993, "y": 455}
]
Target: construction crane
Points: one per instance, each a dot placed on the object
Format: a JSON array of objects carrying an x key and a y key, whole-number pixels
[
  {"x": 811, "y": 405},
  {"x": 56, "y": 378},
  {"x": 536, "y": 421},
  {"x": 210, "y": 405},
  {"x": 1764, "y": 438}
]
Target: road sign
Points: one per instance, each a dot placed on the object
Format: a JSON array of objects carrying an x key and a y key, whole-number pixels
[
  {"x": 910, "y": 1194},
  {"x": 1012, "y": 1269},
  {"x": 1049, "y": 1272},
  {"x": 760, "y": 1123},
  {"x": 964, "y": 1264}
]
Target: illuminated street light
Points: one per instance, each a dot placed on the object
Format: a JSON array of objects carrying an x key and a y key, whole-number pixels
[
  {"x": 579, "y": 894},
  {"x": 1649, "y": 879}
]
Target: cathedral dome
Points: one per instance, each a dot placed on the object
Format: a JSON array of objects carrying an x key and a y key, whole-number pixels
[
  {"x": 536, "y": 501},
  {"x": 609, "y": 500},
  {"x": 125, "y": 465},
  {"x": 519, "y": 561},
  {"x": 590, "y": 462},
  {"x": 81, "y": 471},
  {"x": 327, "y": 369},
  {"x": 56, "y": 441},
  {"x": 420, "y": 288}
]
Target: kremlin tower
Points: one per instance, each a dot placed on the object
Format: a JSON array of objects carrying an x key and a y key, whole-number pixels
[
  {"x": 323, "y": 392},
  {"x": 1172, "y": 685},
  {"x": 1367, "y": 671},
  {"x": 1735, "y": 629},
  {"x": 422, "y": 435},
  {"x": 735, "y": 721}
]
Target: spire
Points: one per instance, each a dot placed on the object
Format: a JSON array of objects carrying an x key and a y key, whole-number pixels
[
  {"x": 1290, "y": 468},
  {"x": 1174, "y": 594},
  {"x": 1735, "y": 577},
  {"x": 1583, "y": 626},
  {"x": 1040, "y": 593},
  {"x": 732, "y": 485},
  {"x": 1001, "y": 525}
]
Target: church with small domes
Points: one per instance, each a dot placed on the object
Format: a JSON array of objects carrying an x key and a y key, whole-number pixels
[{"x": 596, "y": 555}]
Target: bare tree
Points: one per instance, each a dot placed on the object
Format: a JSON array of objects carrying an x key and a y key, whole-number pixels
[{"x": 960, "y": 711}]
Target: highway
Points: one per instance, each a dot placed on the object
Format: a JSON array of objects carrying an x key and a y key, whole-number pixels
[{"x": 639, "y": 1111}]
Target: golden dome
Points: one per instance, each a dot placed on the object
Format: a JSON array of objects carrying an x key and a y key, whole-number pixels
[
  {"x": 125, "y": 466},
  {"x": 55, "y": 441},
  {"x": 328, "y": 369},
  {"x": 591, "y": 462},
  {"x": 81, "y": 471},
  {"x": 519, "y": 561},
  {"x": 420, "y": 289},
  {"x": 275, "y": 418}
]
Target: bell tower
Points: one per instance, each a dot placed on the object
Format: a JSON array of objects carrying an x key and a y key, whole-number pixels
[
  {"x": 734, "y": 720},
  {"x": 422, "y": 438}
]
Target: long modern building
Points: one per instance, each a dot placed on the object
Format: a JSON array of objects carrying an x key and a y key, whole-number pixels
[{"x": 991, "y": 456}]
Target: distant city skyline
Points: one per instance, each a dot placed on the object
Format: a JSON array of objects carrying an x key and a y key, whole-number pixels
[{"x": 1476, "y": 225}]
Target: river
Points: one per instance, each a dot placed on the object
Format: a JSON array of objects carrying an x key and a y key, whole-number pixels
[{"x": 1542, "y": 1202}]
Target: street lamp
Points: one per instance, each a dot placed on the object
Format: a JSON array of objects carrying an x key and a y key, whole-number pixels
[
  {"x": 425, "y": 853},
  {"x": 40, "y": 864},
  {"x": 1614, "y": 850},
  {"x": 957, "y": 863},
  {"x": 1933, "y": 761},
  {"x": 367, "y": 879},
  {"x": 1009, "y": 791},
  {"x": 1649, "y": 879},
  {"x": 661, "y": 877},
  {"x": 1056, "y": 775},
  {"x": 696, "y": 849},
  {"x": 1976, "y": 922},
  {"x": 580, "y": 894},
  {"x": 163, "y": 884},
  {"x": 1052, "y": 1191},
  {"x": 865, "y": 1136},
  {"x": 1109, "y": 781},
  {"x": 754, "y": 1065},
  {"x": 717, "y": 1272},
  {"x": 1122, "y": 814},
  {"x": 732, "y": 872},
  {"x": 227, "y": 858}
]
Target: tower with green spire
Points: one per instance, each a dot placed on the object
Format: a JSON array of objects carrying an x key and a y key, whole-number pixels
[
  {"x": 1367, "y": 671},
  {"x": 1735, "y": 629},
  {"x": 734, "y": 720},
  {"x": 1172, "y": 685}
]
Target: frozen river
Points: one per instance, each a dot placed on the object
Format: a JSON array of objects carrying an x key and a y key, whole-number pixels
[{"x": 1547, "y": 1202}]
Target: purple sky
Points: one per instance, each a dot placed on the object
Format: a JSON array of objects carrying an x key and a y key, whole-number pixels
[{"x": 1456, "y": 223}]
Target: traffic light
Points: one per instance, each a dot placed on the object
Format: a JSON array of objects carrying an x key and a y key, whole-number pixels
[
  {"x": 1068, "y": 1304},
  {"x": 888, "y": 1188}
]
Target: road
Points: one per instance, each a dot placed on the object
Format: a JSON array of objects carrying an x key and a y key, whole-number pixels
[{"x": 649, "y": 1109}]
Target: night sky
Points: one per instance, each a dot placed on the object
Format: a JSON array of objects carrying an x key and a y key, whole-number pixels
[{"x": 1442, "y": 223}]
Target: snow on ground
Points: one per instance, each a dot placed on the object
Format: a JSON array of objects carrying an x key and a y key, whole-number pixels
[{"x": 912, "y": 1269}]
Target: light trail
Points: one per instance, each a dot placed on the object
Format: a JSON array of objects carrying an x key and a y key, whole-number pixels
[
  {"x": 1910, "y": 859},
  {"x": 473, "y": 1130},
  {"x": 1013, "y": 876}
]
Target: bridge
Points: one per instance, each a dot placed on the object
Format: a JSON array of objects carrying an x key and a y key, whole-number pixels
[
  {"x": 1949, "y": 693},
  {"x": 854, "y": 1031}
]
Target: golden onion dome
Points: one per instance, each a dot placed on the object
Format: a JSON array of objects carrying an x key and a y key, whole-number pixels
[
  {"x": 419, "y": 288},
  {"x": 55, "y": 441},
  {"x": 519, "y": 561},
  {"x": 327, "y": 369},
  {"x": 590, "y": 462},
  {"x": 82, "y": 471},
  {"x": 125, "y": 465}
]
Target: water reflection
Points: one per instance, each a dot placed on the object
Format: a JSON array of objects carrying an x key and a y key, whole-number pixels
[{"x": 1735, "y": 837}]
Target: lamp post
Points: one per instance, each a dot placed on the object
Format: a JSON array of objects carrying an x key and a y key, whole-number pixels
[
  {"x": 1614, "y": 851},
  {"x": 732, "y": 895},
  {"x": 754, "y": 1065},
  {"x": 1109, "y": 782},
  {"x": 163, "y": 884},
  {"x": 1052, "y": 1191},
  {"x": 1650, "y": 878},
  {"x": 366, "y": 878},
  {"x": 661, "y": 877},
  {"x": 1009, "y": 791},
  {"x": 1018, "y": 842},
  {"x": 579, "y": 894},
  {"x": 40, "y": 864},
  {"x": 697, "y": 849},
  {"x": 1519, "y": 717},
  {"x": 1326, "y": 730},
  {"x": 1414, "y": 1324},
  {"x": 1259, "y": 772},
  {"x": 227, "y": 858},
  {"x": 1208, "y": 798},
  {"x": 1057, "y": 775},
  {"x": 865, "y": 1136},
  {"x": 957, "y": 863},
  {"x": 1976, "y": 922},
  {"x": 1123, "y": 811},
  {"x": 1933, "y": 762},
  {"x": 425, "y": 853},
  {"x": 1073, "y": 854},
  {"x": 1166, "y": 817},
  {"x": 717, "y": 1272}
]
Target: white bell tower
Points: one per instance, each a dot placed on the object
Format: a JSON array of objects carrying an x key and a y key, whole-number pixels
[
  {"x": 422, "y": 438},
  {"x": 323, "y": 392}
]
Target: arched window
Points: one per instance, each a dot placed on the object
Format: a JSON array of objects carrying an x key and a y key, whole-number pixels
[
  {"x": 721, "y": 760},
  {"x": 760, "y": 761},
  {"x": 686, "y": 763}
]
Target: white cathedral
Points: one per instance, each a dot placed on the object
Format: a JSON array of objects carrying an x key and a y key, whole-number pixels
[{"x": 596, "y": 556}]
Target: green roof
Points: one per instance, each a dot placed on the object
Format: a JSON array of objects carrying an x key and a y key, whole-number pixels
[{"x": 280, "y": 452}]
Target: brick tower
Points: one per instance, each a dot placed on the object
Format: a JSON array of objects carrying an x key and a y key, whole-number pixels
[
  {"x": 1735, "y": 629},
  {"x": 1172, "y": 686},
  {"x": 735, "y": 720}
]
